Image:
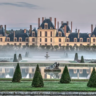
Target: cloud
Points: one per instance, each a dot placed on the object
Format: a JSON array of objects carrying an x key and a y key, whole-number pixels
[{"x": 21, "y": 4}]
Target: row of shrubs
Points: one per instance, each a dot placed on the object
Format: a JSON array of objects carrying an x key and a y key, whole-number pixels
[{"x": 38, "y": 80}]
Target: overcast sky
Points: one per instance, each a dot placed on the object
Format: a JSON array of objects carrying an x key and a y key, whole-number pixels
[{"x": 18, "y": 14}]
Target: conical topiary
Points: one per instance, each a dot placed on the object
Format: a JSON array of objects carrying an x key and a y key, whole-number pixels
[
  {"x": 17, "y": 74},
  {"x": 37, "y": 79},
  {"x": 82, "y": 59},
  {"x": 65, "y": 78},
  {"x": 76, "y": 56},
  {"x": 15, "y": 58},
  {"x": 91, "y": 82},
  {"x": 19, "y": 57}
]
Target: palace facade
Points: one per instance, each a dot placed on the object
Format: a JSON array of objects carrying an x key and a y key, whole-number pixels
[{"x": 48, "y": 35}]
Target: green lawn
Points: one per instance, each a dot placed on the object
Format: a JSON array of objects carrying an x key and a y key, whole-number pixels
[{"x": 48, "y": 86}]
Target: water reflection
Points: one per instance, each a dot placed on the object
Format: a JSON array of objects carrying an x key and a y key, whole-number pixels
[{"x": 28, "y": 72}]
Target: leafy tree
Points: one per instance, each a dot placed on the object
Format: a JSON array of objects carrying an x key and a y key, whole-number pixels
[
  {"x": 76, "y": 56},
  {"x": 92, "y": 79},
  {"x": 65, "y": 78},
  {"x": 82, "y": 59},
  {"x": 37, "y": 79},
  {"x": 15, "y": 58},
  {"x": 17, "y": 74},
  {"x": 19, "y": 57}
]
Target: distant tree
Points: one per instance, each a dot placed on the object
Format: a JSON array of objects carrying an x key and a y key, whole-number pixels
[
  {"x": 26, "y": 54},
  {"x": 76, "y": 57},
  {"x": 65, "y": 78},
  {"x": 15, "y": 58},
  {"x": 17, "y": 74},
  {"x": 19, "y": 57},
  {"x": 92, "y": 79},
  {"x": 82, "y": 59},
  {"x": 37, "y": 79}
]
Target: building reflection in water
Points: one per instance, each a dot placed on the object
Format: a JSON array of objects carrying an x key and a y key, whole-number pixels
[{"x": 28, "y": 72}]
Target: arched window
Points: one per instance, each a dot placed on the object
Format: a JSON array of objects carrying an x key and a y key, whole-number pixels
[
  {"x": 67, "y": 40},
  {"x": 45, "y": 33},
  {"x": 59, "y": 34},
  {"x": 20, "y": 39},
  {"x": 33, "y": 34},
  {"x": 88, "y": 40},
  {"x": 15, "y": 39},
  {"x": 93, "y": 40},
  {"x": 59, "y": 39},
  {"x": 75, "y": 40},
  {"x": 8, "y": 39},
  {"x": 81, "y": 40},
  {"x": 40, "y": 39}
]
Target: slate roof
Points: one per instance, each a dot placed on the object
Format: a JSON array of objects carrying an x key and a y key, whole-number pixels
[
  {"x": 68, "y": 29},
  {"x": 2, "y": 31},
  {"x": 50, "y": 24},
  {"x": 30, "y": 35},
  {"x": 81, "y": 35},
  {"x": 94, "y": 32},
  {"x": 60, "y": 29},
  {"x": 18, "y": 34}
]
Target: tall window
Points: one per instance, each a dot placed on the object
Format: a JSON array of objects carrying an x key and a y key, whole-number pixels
[
  {"x": 33, "y": 39},
  {"x": 59, "y": 39},
  {"x": 67, "y": 40},
  {"x": 51, "y": 39},
  {"x": 15, "y": 39},
  {"x": 88, "y": 40},
  {"x": 8, "y": 39},
  {"x": 81, "y": 40},
  {"x": 40, "y": 39},
  {"x": 93, "y": 40},
  {"x": 26, "y": 39},
  {"x": 40, "y": 34},
  {"x": 45, "y": 33},
  {"x": 0, "y": 39},
  {"x": 51, "y": 33},
  {"x": 20, "y": 39},
  {"x": 45, "y": 39}
]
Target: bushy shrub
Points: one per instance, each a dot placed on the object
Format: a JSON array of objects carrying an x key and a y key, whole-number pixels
[
  {"x": 92, "y": 79},
  {"x": 15, "y": 58},
  {"x": 76, "y": 57},
  {"x": 37, "y": 79},
  {"x": 82, "y": 59},
  {"x": 65, "y": 78},
  {"x": 17, "y": 74}
]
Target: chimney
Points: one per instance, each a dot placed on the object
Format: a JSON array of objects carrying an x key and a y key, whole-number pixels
[
  {"x": 24, "y": 30},
  {"x": 42, "y": 19},
  {"x": 65, "y": 29},
  {"x": 30, "y": 28},
  {"x": 91, "y": 28},
  {"x": 78, "y": 32},
  {"x": 51, "y": 19},
  {"x": 38, "y": 22},
  {"x": 55, "y": 22},
  {"x": 5, "y": 30},
  {"x": 71, "y": 26},
  {"x": 58, "y": 25},
  {"x": 67, "y": 22},
  {"x": 61, "y": 23}
]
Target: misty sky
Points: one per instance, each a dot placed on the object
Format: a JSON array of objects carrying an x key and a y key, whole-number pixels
[{"x": 18, "y": 14}]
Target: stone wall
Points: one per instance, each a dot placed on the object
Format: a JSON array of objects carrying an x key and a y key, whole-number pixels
[{"x": 47, "y": 93}]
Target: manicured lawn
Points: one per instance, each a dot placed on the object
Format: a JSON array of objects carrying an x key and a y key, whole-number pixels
[{"x": 48, "y": 86}]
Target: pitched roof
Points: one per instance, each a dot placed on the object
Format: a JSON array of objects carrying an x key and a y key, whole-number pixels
[
  {"x": 68, "y": 29},
  {"x": 2, "y": 31},
  {"x": 60, "y": 29},
  {"x": 50, "y": 24},
  {"x": 18, "y": 34},
  {"x": 94, "y": 32},
  {"x": 81, "y": 35},
  {"x": 31, "y": 35}
]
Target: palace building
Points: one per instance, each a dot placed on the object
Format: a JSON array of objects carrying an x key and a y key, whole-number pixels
[{"x": 48, "y": 34}]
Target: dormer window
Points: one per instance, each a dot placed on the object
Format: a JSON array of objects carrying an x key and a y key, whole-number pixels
[
  {"x": 81, "y": 40},
  {"x": 8, "y": 39},
  {"x": 0, "y": 39},
  {"x": 88, "y": 40},
  {"x": 93, "y": 35},
  {"x": 26, "y": 39},
  {"x": 45, "y": 26},
  {"x": 75, "y": 39},
  {"x": 15, "y": 39},
  {"x": 20, "y": 39},
  {"x": 59, "y": 34},
  {"x": 93, "y": 40},
  {"x": 33, "y": 34},
  {"x": 67, "y": 39}
]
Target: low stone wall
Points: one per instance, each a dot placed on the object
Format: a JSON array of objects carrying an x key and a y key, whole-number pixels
[{"x": 47, "y": 93}]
